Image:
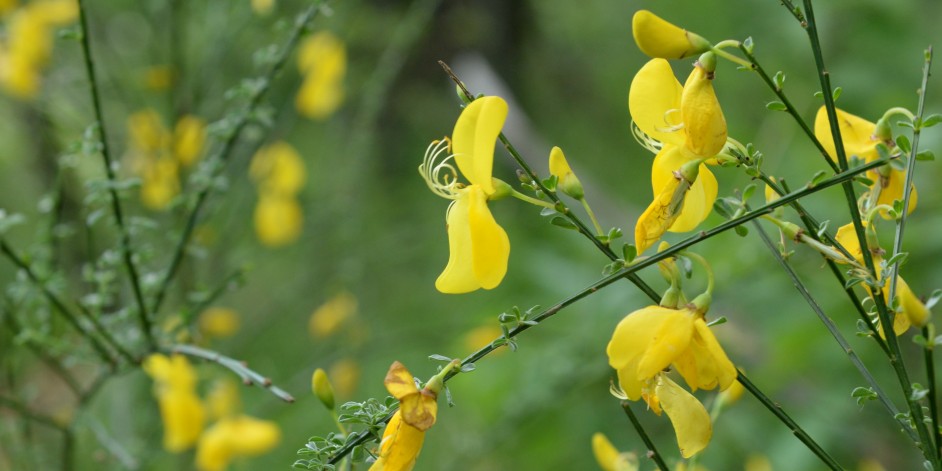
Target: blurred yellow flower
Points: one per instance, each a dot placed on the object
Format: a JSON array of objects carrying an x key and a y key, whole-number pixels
[
  {"x": 609, "y": 458},
  {"x": 278, "y": 169},
  {"x": 911, "y": 309},
  {"x": 478, "y": 247},
  {"x": 157, "y": 77},
  {"x": 223, "y": 399},
  {"x": 405, "y": 432},
  {"x": 858, "y": 138},
  {"x": 757, "y": 462},
  {"x": 160, "y": 182},
  {"x": 278, "y": 220},
  {"x": 345, "y": 374},
  {"x": 262, "y": 7},
  {"x": 322, "y": 58},
  {"x": 189, "y": 136},
  {"x": 219, "y": 322},
  {"x": 29, "y": 41},
  {"x": 480, "y": 337},
  {"x": 235, "y": 437},
  {"x": 659, "y": 38},
  {"x": 147, "y": 132},
  {"x": 331, "y": 315},
  {"x": 181, "y": 410},
  {"x": 652, "y": 338}
]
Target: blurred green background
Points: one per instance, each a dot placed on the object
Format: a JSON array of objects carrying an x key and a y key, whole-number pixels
[{"x": 372, "y": 228}]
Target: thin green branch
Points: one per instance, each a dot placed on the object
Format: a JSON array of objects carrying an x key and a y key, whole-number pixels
[
  {"x": 886, "y": 318},
  {"x": 933, "y": 396},
  {"x": 52, "y": 362},
  {"x": 57, "y": 303},
  {"x": 835, "y": 332},
  {"x": 249, "y": 376},
  {"x": 795, "y": 428},
  {"x": 110, "y": 166},
  {"x": 652, "y": 450},
  {"x": 228, "y": 144},
  {"x": 559, "y": 205}
]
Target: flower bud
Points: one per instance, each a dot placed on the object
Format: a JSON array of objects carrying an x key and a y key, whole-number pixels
[
  {"x": 567, "y": 182},
  {"x": 658, "y": 38},
  {"x": 320, "y": 384}
]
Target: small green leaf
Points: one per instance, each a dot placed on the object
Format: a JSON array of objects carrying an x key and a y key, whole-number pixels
[
  {"x": 748, "y": 45},
  {"x": 562, "y": 222},
  {"x": 718, "y": 321},
  {"x": 836, "y": 93},
  {"x": 903, "y": 143},
  {"x": 779, "y": 80},
  {"x": 819, "y": 94},
  {"x": 818, "y": 178},
  {"x": 919, "y": 392},
  {"x": 438, "y": 357},
  {"x": 550, "y": 183},
  {"x": 629, "y": 253},
  {"x": 899, "y": 258},
  {"x": 748, "y": 192},
  {"x": 863, "y": 395},
  {"x": 931, "y": 120},
  {"x": 926, "y": 155},
  {"x": 776, "y": 106},
  {"x": 934, "y": 298},
  {"x": 741, "y": 231}
]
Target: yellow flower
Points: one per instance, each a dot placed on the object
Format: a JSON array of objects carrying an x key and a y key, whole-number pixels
[
  {"x": 478, "y": 247},
  {"x": 160, "y": 182},
  {"x": 327, "y": 318},
  {"x": 188, "y": 138},
  {"x": 262, "y": 7},
  {"x": 30, "y": 31},
  {"x": 405, "y": 432},
  {"x": 652, "y": 338},
  {"x": 757, "y": 462},
  {"x": 482, "y": 336},
  {"x": 659, "y": 38},
  {"x": 181, "y": 410},
  {"x": 157, "y": 77},
  {"x": 668, "y": 205},
  {"x": 278, "y": 169},
  {"x": 691, "y": 421},
  {"x": 323, "y": 60},
  {"x": 609, "y": 458},
  {"x": 346, "y": 374},
  {"x": 911, "y": 310},
  {"x": 218, "y": 322},
  {"x": 278, "y": 220},
  {"x": 567, "y": 181},
  {"x": 234, "y": 437},
  {"x": 146, "y": 131},
  {"x": 858, "y": 137},
  {"x": 223, "y": 399},
  {"x": 682, "y": 124}
]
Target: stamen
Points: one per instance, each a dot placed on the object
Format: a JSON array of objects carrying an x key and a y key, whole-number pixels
[
  {"x": 651, "y": 144},
  {"x": 670, "y": 127},
  {"x": 438, "y": 172}
]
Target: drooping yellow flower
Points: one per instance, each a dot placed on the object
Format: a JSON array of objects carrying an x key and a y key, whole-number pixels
[
  {"x": 218, "y": 322},
  {"x": 235, "y": 437},
  {"x": 609, "y": 458},
  {"x": 685, "y": 124},
  {"x": 322, "y": 58},
  {"x": 661, "y": 39},
  {"x": 278, "y": 220},
  {"x": 652, "y": 338},
  {"x": 478, "y": 247},
  {"x": 858, "y": 138},
  {"x": 189, "y": 136},
  {"x": 691, "y": 421},
  {"x": 405, "y": 432},
  {"x": 911, "y": 310},
  {"x": 331, "y": 315},
  {"x": 181, "y": 410}
]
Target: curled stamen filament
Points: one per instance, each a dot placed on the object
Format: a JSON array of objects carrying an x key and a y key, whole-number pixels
[
  {"x": 437, "y": 170},
  {"x": 670, "y": 127},
  {"x": 651, "y": 144}
]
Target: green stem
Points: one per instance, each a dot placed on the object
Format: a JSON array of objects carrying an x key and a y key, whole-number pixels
[
  {"x": 249, "y": 376},
  {"x": 228, "y": 144},
  {"x": 652, "y": 450},
  {"x": 110, "y": 165},
  {"x": 885, "y": 316},
  {"x": 531, "y": 200},
  {"x": 898, "y": 110},
  {"x": 706, "y": 267},
  {"x": 795, "y": 428},
  {"x": 725, "y": 55},
  {"x": 580, "y": 226},
  {"x": 595, "y": 222},
  {"x": 928, "y": 334},
  {"x": 59, "y": 305},
  {"x": 832, "y": 328}
]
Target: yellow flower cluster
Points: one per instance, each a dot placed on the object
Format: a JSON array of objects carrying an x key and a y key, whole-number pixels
[
  {"x": 279, "y": 172},
  {"x": 418, "y": 409},
  {"x": 184, "y": 416},
  {"x": 158, "y": 154},
  {"x": 322, "y": 59},
  {"x": 29, "y": 38}
]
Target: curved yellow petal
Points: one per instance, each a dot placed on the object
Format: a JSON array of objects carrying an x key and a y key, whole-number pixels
[
  {"x": 668, "y": 342},
  {"x": 659, "y": 38},
  {"x": 458, "y": 276},
  {"x": 399, "y": 382},
  {"x": 183, "y": 416},
  {"x": 658, "y": 216},
  {"x": 721, "y": 370},
  {"x": 698, "y": 203},
  {"x": 400, "y": 446},
  {"x": 654, "y": 102},
  {"x": 419, "y": 410},
  {"x": 605, "y": 453},
  {"x": 847, "y": 237},
  {"x": 688, "y": 416},
  {"x": 910, "y": 305},
  {"x": 474, "y": 138},
  {"x": 856, "y": 133},
  {"x": 704, "y": 124},
  {"x": 490, "y": 246},
  {"x": 893, "y": 190},
  {"x": 629, "y": 342}
]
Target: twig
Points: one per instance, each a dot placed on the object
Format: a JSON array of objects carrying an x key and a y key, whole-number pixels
[
  {"x": 249, "y": 376},
  {"x": 652, "y": 450}
]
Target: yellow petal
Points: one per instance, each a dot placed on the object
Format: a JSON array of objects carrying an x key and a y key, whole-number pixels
[
  {"x": 847, "y": 237},
  {"x": 688, "y": 416},
  {"x": 400, "y": 446},
  {"x": 659, "y": 38},
  {"x": 856, "y": 133},
  {"x": 278, "y": 220},
  {"x": 630, "y": 340},
  {"x": 458, "y": 276},
  {"x": 183, "y": 416},
  {"x": 704, "y": 124},
  {"x": 278, "y": 169},
  {"x": 147, "y": 131},
  {"x": 234, "y": 437},
  {"x": 705, "y": 365},
  {"x": 894, "y": 191},
  {"x": 668, "y": 342},
  {"x": 659, "y": 215},
  {"x": 188, "y": 138},
  {"x": 698, "y": 202},
  {"x": 605, "y": 452},
  {"x": 568, "y": 183},
  {"x": 419, "y": 410},
  {"x": 654, "y": 102},
  {"x": 223, "y": 399},
  {"x": 490, "y": 246},
  {"x": 912, "y": 308},
  {"x": 160, "y": 182},
  {"x": 331, "y": 315},
  {"x": 474, "y": 138},
  {"x": 399, "y": 382}
]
